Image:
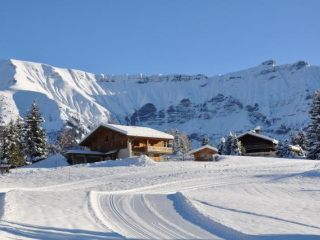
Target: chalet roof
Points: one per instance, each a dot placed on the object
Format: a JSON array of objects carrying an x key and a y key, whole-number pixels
[
  {"x": 259, "y": 136},
  {"x": 134, "y": 131},
  {"x": 203, "y": 147}
]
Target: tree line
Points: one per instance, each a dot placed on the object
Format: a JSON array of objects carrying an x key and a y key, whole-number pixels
[{"x": 24, "y": 139}]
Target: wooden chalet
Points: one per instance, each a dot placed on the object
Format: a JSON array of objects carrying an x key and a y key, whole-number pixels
[
  {"x": 256, "y": 144},
  {"x": 204, "y": 153},
  {"x": 111, "y": 141}
]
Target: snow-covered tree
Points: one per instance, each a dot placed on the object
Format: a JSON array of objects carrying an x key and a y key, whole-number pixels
[
  {"x": 75, "y": 126},
  {"x": 287, "y": 150},
  {"x": 181, "y": 143},
  {"x": 313, "y": 134},
  {"x": 230, "y": 146},
  {"x": 66, "y": 139},
  {"x": 292, "y": 138},
  {"x": 14, "y": 146},
  {"x": 185, "y": 144},
  {"x": 221, "y": 146},
  {"x": 279, "y": 150},
  {"x": 205, "y": 141},
  {"x": 236, "y": 147},
  {"x": 35, "y": 139},
  {"x": 284, "y": 150},
  {"x": 2, "y": 139},
  {"x": 301, "y": 140}
]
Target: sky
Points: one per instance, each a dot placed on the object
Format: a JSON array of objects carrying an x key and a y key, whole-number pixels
[{"x": 168, "y": 36}]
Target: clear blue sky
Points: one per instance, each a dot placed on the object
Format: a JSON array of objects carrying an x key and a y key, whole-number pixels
[{"x": 172, "y": 36}]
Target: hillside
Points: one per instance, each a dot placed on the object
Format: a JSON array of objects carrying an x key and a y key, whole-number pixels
[{"x": 275, "y": 97}]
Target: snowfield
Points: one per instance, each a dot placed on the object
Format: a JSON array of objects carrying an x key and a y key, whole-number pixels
[{"x": 236, "y": 198}]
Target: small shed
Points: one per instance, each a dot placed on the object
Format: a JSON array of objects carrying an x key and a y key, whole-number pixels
[
  {"x": 85, "y": 156},
  {"x": 4, "y": 168},
  {"x": 204, "y": 153}
]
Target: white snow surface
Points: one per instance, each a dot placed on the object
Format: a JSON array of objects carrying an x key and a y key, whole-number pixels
[
  {"x": 54, "y": 161},
  {"x": 236, "y": 198}
]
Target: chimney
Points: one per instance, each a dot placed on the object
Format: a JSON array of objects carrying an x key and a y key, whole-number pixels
[{"x": 257, "y": 130}]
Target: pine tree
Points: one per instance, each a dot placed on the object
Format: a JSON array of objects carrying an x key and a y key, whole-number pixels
[
  {"x": 292, "y": 139},
  {"x": 236, "y": 147},
  {"x": 221, "y": 146},
  {"x": 279, "y": 150},
  {"x": 205, "y": 141},
  {"x": 287, "y": 150},
  {"x": 301, "y": 140},
  {"x": 313, "y": 134},
  {"x": 35, "y": 139},
  {"x": 228, "y": 144},
  {"x": 2, "y": 139},
  {"x": 176, "y": 142},
  {"x": 14, "y": 146}
]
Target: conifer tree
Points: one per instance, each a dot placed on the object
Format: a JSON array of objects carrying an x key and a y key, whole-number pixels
[
  {"x": 221, "y": 146},
  {"x": 301, "y": 140},
  {"x": 35, "y": 139},
  {"x": 287, "y": 150},
  {"x": 279, "y": 150},
  {"x": 205, "y": 141},
  {"x": 236, "y": 147},
  {"x": 292, "y": 139},
  {"x": 14, "y": 145},
  {"x": 313, "y": 134}
]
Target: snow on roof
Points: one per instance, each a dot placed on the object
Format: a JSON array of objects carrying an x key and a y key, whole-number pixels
[
  {"x": 134, "y": 131},
  {"x": 259, "y": 136},
  {"x": 295, "y": 148},
  {"x": 203, "y": 147}
]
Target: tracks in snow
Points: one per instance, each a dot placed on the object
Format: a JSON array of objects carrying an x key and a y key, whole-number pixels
[
  {"x": 148, "y": 213},
  {"x": 150, "y": 216}
]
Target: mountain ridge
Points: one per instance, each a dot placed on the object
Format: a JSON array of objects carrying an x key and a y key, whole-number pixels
[{"x": 274, "y": 97}]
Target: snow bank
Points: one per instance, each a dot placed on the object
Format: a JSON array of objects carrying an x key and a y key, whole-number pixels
[
  {"x": 141, "y": 161},
  {"x": 54, "y": 161},
  {"x": 190, "y": 212}
]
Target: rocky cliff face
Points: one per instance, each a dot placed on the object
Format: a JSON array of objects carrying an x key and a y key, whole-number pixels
[{"x": 277, "y": 98}]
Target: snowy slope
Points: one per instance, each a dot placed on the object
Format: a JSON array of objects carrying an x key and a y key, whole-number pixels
[
  {"x": 274, "y": 97},
  {"x": 236, "y": 198}
]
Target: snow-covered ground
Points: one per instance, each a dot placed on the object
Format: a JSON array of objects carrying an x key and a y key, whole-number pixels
[{"x": 236, "y": 198}]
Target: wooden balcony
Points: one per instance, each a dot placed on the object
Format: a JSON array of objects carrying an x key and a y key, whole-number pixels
[
  {"x": 254, "y": 147},
  {"x": 152, "y": 149}
]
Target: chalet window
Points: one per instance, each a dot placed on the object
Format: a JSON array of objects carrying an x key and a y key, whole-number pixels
[
  {"x": 135, "y": 143},
  {"x": 113, "y": 136},
  {"x": 107, "y": 138}
]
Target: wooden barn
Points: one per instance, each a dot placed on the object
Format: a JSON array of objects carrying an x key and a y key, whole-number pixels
[
  {"x": 256, "y": 144},
  {"x": 111, "y": 141},
  {"x": 204, "y": 153}
]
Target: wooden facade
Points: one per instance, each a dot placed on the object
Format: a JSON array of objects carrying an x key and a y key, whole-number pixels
[
  {"x": 204, "y": 153},
  {"x": 258, "y": 145},
  {"x": 112, "y": 144}
]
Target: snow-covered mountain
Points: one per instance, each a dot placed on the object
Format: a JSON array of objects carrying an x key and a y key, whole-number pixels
[{"x": 277, "y": 98}]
